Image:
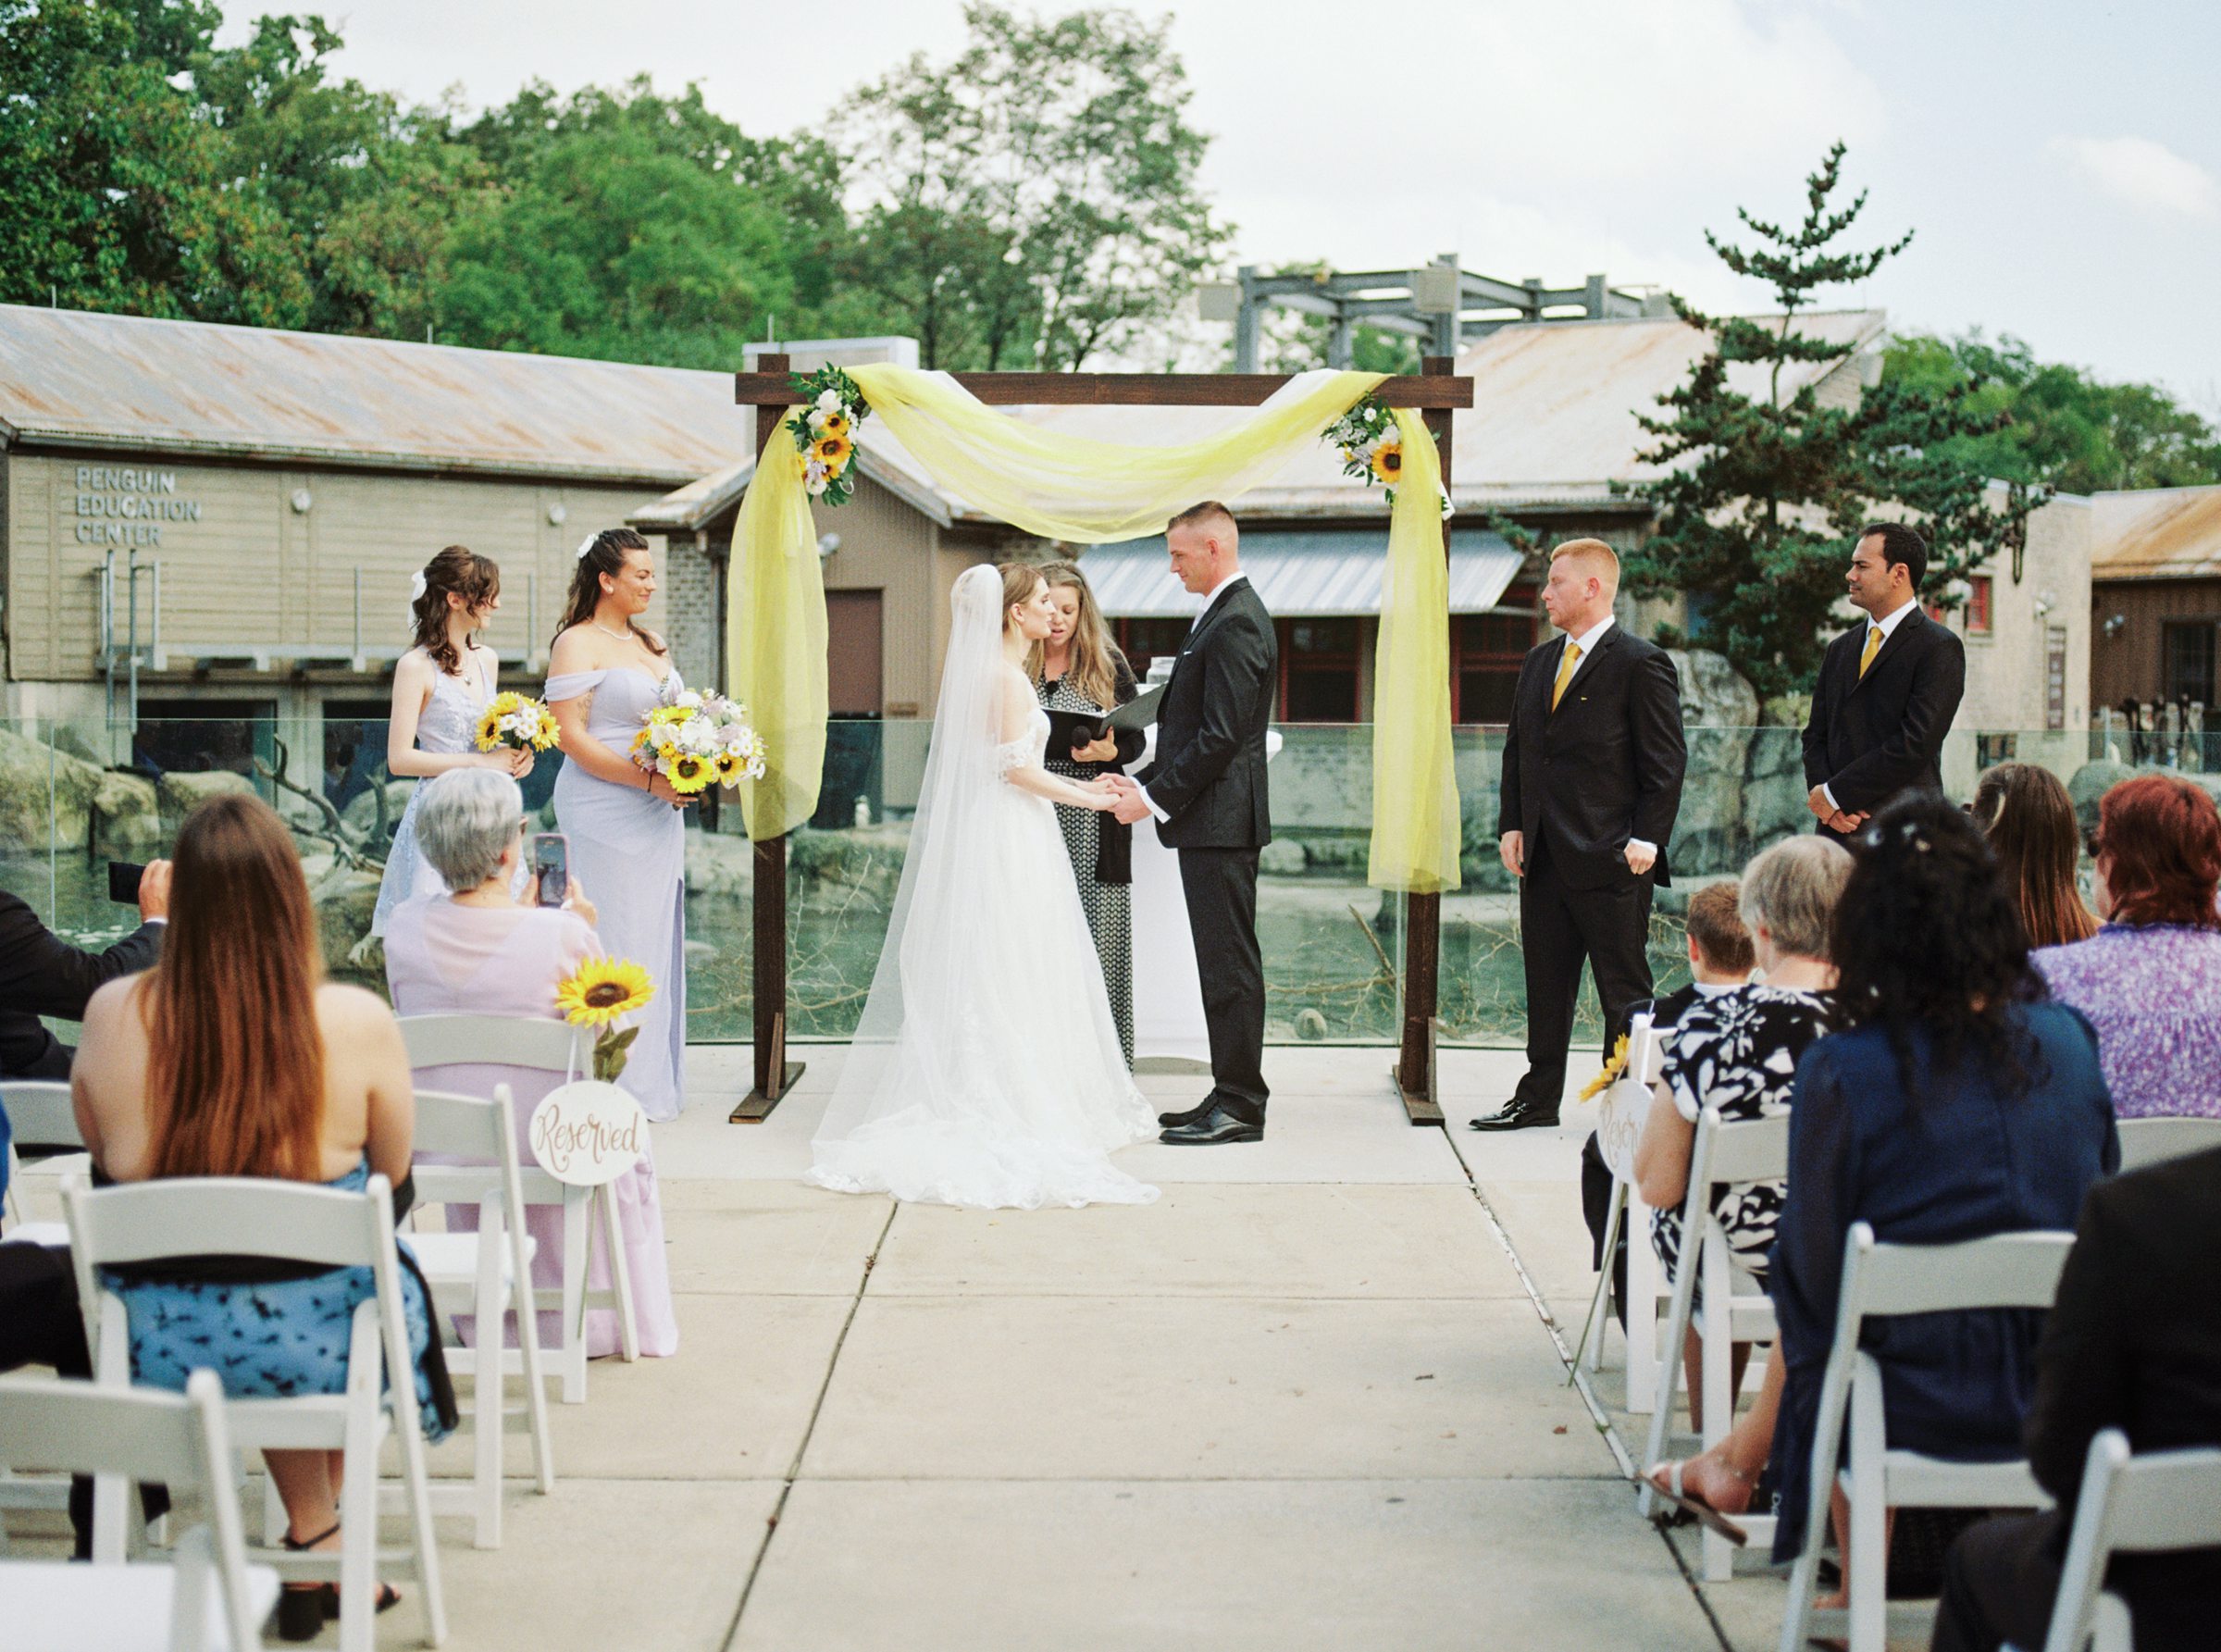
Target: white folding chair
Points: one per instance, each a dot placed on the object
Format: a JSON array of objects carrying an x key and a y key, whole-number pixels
[
  {"x": 2128, "y": 1504},
  {"x": 1723, "y": 1156},
  {"x": 1646, "y": 1289},
  {"x": 2156, "y": 1140},
  {"x": 207, "y": 1599},
  {"x": 39, "y": 1112},
  {"x": 2002, "y": 1271},
  {"x": 549, "y": 1046},
  {"x": 480, "y": 1274},
  {"x": 152, "y": 1222}
]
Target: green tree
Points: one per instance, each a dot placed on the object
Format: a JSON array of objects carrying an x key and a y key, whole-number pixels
[
  {"x": 1768, "y": 486},
  {"x": 2068, "y": 429},
  {"x": 1034, "y": 202}
]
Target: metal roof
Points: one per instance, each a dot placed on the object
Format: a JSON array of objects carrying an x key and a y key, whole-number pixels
[
  {"x": 2156, "y": 533},
  {"x": 1309, "y": 573}
]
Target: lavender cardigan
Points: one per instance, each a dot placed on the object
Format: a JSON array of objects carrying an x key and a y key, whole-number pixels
[{"x": 2153, "y": 994}]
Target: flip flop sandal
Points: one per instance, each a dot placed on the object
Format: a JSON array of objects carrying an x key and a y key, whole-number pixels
[{"x": 1674, "y": 1492}]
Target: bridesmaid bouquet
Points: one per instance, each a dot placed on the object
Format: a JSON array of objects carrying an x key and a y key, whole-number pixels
[
  {"x": 598, "y": 994},
  {"x": 699, "y": 740},
  {"x": 517, "y": 721}
]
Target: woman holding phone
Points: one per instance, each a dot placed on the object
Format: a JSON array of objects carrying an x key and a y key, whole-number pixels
[
  {"x": 625, "y": 829},
  {"x": 1079, "y": 668},
  {"x": 441, "y": 686}
]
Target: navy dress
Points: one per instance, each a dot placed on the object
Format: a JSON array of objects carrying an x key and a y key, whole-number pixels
[{"x": 1959, "y": 1161}]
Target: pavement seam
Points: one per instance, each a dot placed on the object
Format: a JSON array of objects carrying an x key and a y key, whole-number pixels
[{"x": 817, "y": 1406}]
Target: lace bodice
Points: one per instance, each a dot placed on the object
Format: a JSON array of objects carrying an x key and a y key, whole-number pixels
[
  {"x": 450, "y": 720},
  {"x": 1027, "y": 750}
]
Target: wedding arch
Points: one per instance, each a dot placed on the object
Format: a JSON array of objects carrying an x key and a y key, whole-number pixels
[{"x": 1086, "y": 491}]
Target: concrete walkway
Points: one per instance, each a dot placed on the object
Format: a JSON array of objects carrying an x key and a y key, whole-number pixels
[{"x": 1310, "y": 1399}]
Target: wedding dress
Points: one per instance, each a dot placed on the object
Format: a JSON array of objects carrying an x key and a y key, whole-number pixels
[{"x": 986, "y": 1071}]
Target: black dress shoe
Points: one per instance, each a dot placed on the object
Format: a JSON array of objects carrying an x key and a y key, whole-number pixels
[
  {"x": 1215, "y": 1126},
  {"x": 1518, "y": 1115},
  {"x": 1173, "y": 1120}
]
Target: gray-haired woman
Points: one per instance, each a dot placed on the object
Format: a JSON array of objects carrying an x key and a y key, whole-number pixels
[
  {"x": 1738, "y": 1051},
  {"x": 483, "y": 951}
]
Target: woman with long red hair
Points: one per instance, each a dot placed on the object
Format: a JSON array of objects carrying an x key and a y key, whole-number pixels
[
  {"x": 2150, "y": 980},
  {"x": 232, "y": 1057}
]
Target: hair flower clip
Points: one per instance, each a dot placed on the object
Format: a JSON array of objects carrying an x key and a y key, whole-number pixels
[
  {"x": 417, "y": 588},
  {"x": 585, "y": 545}
]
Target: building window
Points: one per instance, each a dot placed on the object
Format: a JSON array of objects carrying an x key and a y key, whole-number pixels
[
  {"x": 1317, "y": 670},
  {"x": 1490, "y": 648},
  {"x": 2186, "y": 661},
  {"x": 1144, "y": 639},
  {"x": 1977, "y": 605}
]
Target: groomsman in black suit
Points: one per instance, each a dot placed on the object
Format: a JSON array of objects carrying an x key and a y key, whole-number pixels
[
  {"x": 43, "y": 975},
  {"x": 1593, "y": 768},
  {"x": 1888, "y": 689}
]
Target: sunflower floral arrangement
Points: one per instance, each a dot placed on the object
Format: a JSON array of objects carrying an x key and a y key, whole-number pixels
[
  {"x": 517, "y": 721},
  {"x": 825, "y": 432},
  {"x": 1373, "y": 449},
  {"x": 1611, "y": 1074},
  {"x": 599, "y": 994},
  {"x": 697, "y": 740}
]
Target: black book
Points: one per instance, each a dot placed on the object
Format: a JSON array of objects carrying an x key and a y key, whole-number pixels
[{"x": 1067, "y": 729}]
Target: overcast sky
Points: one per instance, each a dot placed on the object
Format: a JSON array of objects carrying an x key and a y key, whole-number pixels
[{"x": 2059, "y": 159}]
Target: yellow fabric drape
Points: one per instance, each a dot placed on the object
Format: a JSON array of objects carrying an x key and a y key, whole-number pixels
[
  {"x": 1070, "y": 488},
  {"x": 1416, "y": 827}
]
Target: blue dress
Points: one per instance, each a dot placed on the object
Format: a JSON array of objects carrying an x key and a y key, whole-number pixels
[
  {"x": 272, "y": 1340},
  {"x": 1961, "y": 1159}
]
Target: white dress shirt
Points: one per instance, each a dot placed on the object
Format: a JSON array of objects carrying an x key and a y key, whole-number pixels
[
  {"x": 1209, "y": 599},
  {"x": 1587, "y": 642},
  {"x": 1886, "y": 624}
]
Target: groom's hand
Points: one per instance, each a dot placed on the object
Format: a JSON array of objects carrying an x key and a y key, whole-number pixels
[
  {"x": 1130, "y": 808},
  {"x": 1512, "y": 847}
]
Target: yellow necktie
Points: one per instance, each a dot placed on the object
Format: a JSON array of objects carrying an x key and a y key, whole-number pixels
[
  {"x": 1565, "y": 672},
  {"x": 1873, "y": 648}
]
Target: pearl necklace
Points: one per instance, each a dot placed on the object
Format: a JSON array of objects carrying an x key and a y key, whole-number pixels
[{"x": 620, "y": 636}]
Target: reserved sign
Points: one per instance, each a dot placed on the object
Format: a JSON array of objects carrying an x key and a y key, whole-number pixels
[{"x": 588, "y": 1132}]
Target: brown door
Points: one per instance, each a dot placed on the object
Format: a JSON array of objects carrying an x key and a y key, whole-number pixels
[{"x": 852, "y": 648}]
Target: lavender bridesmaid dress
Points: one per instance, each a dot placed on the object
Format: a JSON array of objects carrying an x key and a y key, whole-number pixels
[{"x": 442, "y": 959}]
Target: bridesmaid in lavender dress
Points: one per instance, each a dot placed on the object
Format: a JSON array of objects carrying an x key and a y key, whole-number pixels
[
  {"x": 484, "y": 952},
  {"x": 441, "y": 686},
  {"x": 626, "y": 827}
]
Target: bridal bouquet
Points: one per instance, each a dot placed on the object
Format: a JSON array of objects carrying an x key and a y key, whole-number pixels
[
  {"x": 598, "y": 994},
  {"x": 1372, "y": 448},
  {"x": 517, "y": 721},
  {"x": 699, "y": 740}
]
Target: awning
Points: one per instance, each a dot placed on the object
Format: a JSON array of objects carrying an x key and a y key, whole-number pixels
[{"x": 1314, "y": 574}]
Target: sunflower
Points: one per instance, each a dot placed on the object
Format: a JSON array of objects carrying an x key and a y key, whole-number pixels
[
  {"x": 640, "y": 740},
  {"x": 835, "y": 424},
  {"x": 690, "y": 774},
  {"x": 833, "y": 453},
  {"x": 730, "y": 766},
  {"x": 1610, "y": 1075},
  {"x": 548, "y": 734},
  {"x": 490, "y": 729},
  {"x": 602, "y": 989},
  {"x": 1388, "y": 462}
]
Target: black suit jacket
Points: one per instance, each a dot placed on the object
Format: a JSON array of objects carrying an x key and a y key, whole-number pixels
[
  {"x": 1604, "y": 767},
  {"x": 1208, "y": 775},
  {"x": 2133, "y": 1342},
  {"x": 43, "y": 975},
  {"x": 1871, "y": 737}
]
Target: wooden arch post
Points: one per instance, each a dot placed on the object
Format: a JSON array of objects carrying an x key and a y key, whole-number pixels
[{"x": 1437, "y": 392}]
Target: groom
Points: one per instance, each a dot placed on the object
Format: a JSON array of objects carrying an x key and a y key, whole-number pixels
[{"x": 1206, "y": 789}]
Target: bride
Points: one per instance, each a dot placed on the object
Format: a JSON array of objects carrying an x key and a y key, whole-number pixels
[{"x": 986, "y": 1069}]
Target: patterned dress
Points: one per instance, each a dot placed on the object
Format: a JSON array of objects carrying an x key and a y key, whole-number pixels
[
  {"x": 1109, "y": 905},
  {"x": 1738, "y": 1051},
  {"x": 2153, "y": 993}
]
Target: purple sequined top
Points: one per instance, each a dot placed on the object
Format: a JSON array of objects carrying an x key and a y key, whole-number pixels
[{"x": 2153, "y": 993}]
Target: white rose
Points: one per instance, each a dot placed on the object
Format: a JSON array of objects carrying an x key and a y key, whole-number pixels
[
  {"x": 828, "y": 401},
  {"x": 818, "y": 420},
  {"x": 816, "y": 484},
  {"x": 688, "y": 699}
]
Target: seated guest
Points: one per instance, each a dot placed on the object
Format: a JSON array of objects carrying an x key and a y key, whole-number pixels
[
  {"x": 231, "y": 1058},
  {"x": 1958, "y": 1103},
  {"x": 43, "y": 975},
  {"x": 1719, "y": 960},
  {"x": 2029, "y": 820},
  {"x": 2150, "y": 981},
  {"x": 1738, "y": 1052},
  {"x": 483, "y": 951},
  {"x": 2133, "y": 1342}
]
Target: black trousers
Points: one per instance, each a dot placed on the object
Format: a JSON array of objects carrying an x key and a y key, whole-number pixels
[
  {"x": 1596, "y": 1211},
  {"x": 1221, "y": 887},
  {"x": 1561, "y": 929},
  {"x": 1999, "y": 1581}
]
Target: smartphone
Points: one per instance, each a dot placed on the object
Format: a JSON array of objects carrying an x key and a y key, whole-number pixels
[
  {"x": 551, "y": 863},
  {"x": 123, "y": 882}
]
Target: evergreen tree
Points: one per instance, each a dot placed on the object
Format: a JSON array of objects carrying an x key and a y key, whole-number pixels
[{"x": 1768, "y": 486}]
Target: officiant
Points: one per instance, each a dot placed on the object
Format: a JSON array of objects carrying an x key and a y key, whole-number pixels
[{"x": 1082, "y": 676}]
